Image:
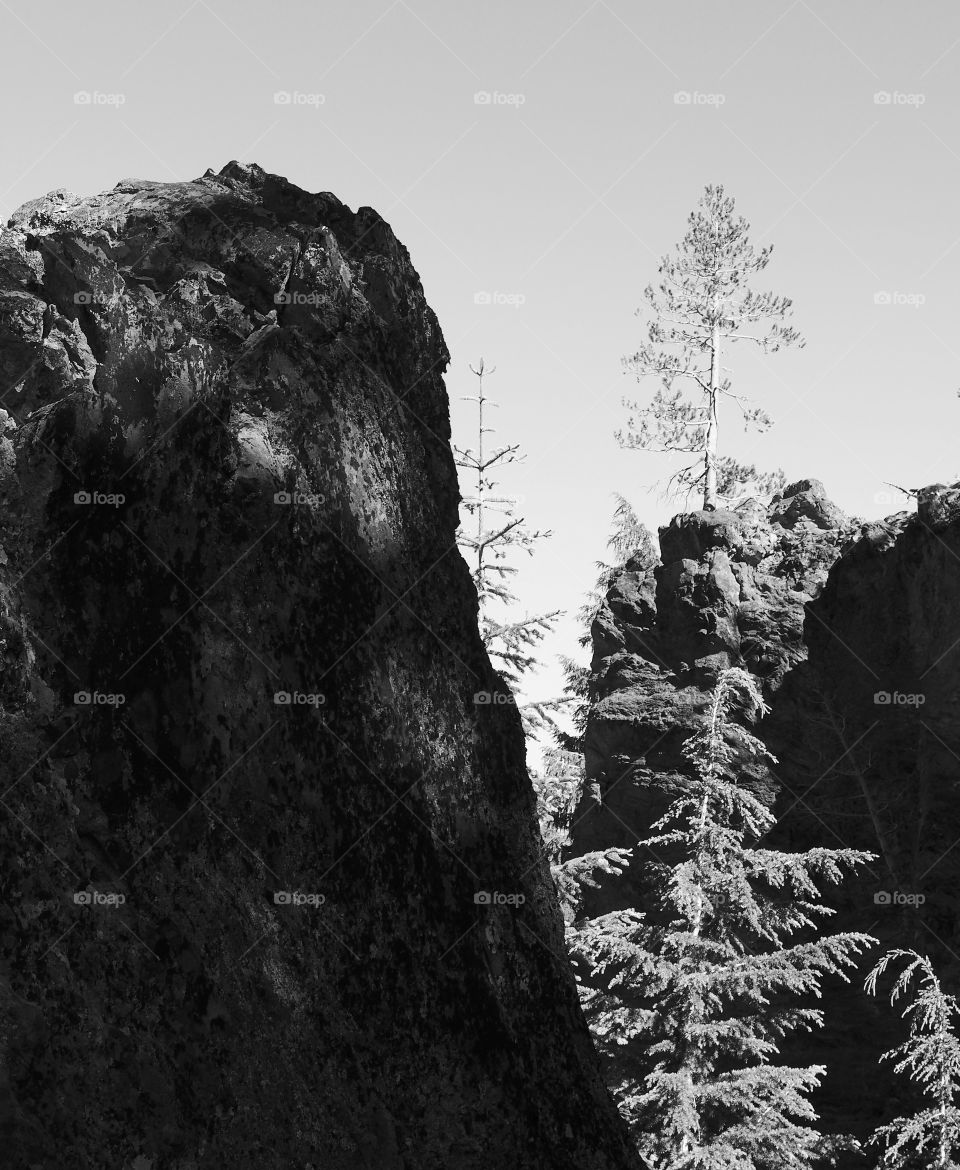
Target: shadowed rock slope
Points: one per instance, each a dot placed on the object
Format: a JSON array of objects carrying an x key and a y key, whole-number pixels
[{"x": 248, "y": 798}]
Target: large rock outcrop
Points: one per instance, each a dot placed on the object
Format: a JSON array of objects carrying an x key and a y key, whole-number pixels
[
  {"x": 854, "y": 631},
  {"x": 729, "y": 590},
  {"x": 249, "y": 798}
]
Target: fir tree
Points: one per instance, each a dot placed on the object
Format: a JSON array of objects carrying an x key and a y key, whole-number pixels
[
  {"x": 931, "y": 1057},
  {"x": 495, "y": 534},
  {"x": 702, "y": 305},
  {"x": 694, "y": 996}
]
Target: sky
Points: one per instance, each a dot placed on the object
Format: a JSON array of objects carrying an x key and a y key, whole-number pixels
[{"x": 537, "y": 160}]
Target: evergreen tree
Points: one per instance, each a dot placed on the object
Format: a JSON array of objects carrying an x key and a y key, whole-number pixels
[
  {"x": 629, "y": 539},
  {"x": 697, "y": 995},
  {"x": 496, "y": 533},
  {"x": 558, "y": 788},
  {"x": 578, "y": 694},
  {"x": 557, "y": 797},
  {"x": 702, "y": 305},
  {"x": 931, "y": 1056}
]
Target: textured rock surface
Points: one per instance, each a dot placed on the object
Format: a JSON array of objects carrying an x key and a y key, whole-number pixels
[
  {"x": 868, "y": 728},
  {"x": 197, "y": 348},
  {"x": 730, "y": 591},
  {"x": 854, "y": 630},
  {"x": 867, "y": 733}
]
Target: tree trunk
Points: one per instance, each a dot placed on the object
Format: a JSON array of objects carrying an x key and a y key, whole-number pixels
[
  {"x": 481, "y": 581},
  {"x": 710, "y": 452}
]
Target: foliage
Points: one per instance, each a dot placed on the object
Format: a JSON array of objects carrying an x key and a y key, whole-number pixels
[
  {"x": 697, "y": 993},
  {"x": 557, "y": 788},
  {"x": 702, "y": 305},
  {"x": 511, "y": 643},
  {"x": 931, "y": 1057},
  {"x": 629, "y": 539},
  {"x": 578, "y": 694},
  {"x": 735, "y": 479}
]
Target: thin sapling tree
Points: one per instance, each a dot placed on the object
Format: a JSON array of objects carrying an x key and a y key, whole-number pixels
[{"x": 488, "y": 539}]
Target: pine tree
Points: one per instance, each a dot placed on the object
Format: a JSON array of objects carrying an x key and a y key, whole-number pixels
[
  {"x": 931, "y": 1056},
  {"x": 736, "y": 480},
  {"x": 496, "y": 533},
  {"x": 694, "y": 995},
  {"x": 702, "y": 305}
]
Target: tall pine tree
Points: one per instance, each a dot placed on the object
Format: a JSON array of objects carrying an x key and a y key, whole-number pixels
[
  {"x": 703, "y": 305},
  {"x": 698, "y": 994}
]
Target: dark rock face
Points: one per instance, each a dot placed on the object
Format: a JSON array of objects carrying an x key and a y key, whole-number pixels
[
  {"x": 730, "y": 591},
  {"x": 854, "y": 630},
  {"x": 238, "y": 660},
  {"x": 879, "y": 696}
]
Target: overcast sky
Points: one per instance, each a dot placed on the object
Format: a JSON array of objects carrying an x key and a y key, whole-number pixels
[{"x": 543, "y": 156}]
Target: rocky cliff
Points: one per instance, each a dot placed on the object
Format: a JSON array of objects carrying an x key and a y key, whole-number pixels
[
  {"x": 249, "y": 799},
  {"x": 729, "y": 589},
  {"x": 854, "y": 630}
]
